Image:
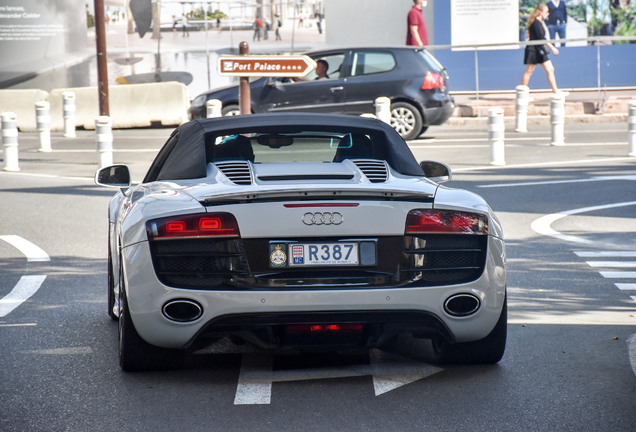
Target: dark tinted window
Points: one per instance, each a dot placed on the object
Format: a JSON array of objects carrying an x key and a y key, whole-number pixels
[
  {"x": 431, "y": 62},
  {"x": 367, "y": 63}
]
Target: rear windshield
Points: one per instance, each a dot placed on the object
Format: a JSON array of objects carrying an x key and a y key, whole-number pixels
[
  {"x": 296, "y": 147},
  {"x": 431, "y": 62}
]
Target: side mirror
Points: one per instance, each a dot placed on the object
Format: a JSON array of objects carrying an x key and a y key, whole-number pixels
[
  {"x": 113, "y": 176},
  {"x": 436, "y": 171}
]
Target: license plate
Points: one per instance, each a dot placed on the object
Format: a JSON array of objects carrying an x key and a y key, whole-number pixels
[{"x": 308, "y": 254}]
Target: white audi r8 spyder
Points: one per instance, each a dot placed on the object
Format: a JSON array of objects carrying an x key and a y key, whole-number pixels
[{"x": 300, "y": 232}]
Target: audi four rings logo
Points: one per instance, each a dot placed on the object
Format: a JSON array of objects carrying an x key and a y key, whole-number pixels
[{"x": 323, "y": 218}]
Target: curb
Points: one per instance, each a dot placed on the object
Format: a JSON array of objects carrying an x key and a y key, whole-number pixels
[{"x": 540, "y": 120}]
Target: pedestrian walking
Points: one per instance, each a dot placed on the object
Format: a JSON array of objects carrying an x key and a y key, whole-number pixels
[
  {"x": 266, "y": 30},
  {"x": 538, "y": 54},
  {"x": 218, "y": 24},
  {"x": 301, "y": 19},
  {"x": 319, "y": 21},
  {"x": 174, "y": 24},
  {"x": 257, "y": 29},
  {"x": 277, "y": 25},
  {"x": 184, "y": 22},
  {"x": 416, "y": 33}
]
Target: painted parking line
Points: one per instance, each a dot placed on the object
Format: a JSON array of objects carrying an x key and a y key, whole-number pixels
[
  {"x": 612, "y": 264},
  {"x": 618, "y": 275},
  {"x": 626, "y": 286},
  {"x": 606, "y": 254},
  {"x": 31, "y": 251},
  {"x": 24, "y": 289}
]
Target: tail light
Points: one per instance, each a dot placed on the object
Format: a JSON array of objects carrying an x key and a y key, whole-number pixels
[
  {"x": 445, "y": 221},
  {"x": 311, "y": 328},
  {"x": 193, "y": 226},
  {"x": 432, "y": 81}
]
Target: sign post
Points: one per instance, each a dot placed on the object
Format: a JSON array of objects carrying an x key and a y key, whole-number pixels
[{"x": 245, "y": 66}]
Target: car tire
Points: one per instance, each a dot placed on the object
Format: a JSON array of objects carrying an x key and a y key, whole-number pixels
[
  {"x": 230, "y": 110},
  {"x": 137, "y": 355},
  {"x": 488, "y": 350},
  {"x": 406, "y": 120}
]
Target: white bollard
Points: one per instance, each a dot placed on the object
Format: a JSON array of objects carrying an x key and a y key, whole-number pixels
[
  {"x": 68, "y": 110},
  {"x": 631, "y": 128},
  {"x": 214, "y": 108},
  {"x": 523, "y": 99},
  {"x": 104, "y": 140},
  {"x": 43, "y": 125},
  {"x": 383, "y": 109},
  {"x": 496, "y": 129},
  {"x": 10, "y": 141},
  {"x": 557, "y": 118}
]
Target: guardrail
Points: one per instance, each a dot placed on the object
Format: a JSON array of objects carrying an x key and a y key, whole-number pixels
[{"x": 598, "y": 41}]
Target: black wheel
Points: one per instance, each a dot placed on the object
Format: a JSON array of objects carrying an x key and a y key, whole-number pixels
[
  {"x": 406, "y": 120},
  {"x": 488, "y": 350},
  {"x": 135, "y": 354},
  {"x": 230, "y": 110}
]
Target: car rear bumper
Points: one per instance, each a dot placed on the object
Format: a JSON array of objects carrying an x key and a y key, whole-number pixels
[
  {"x": 438, "y": 115},
  {"x": 383, "y": 311}
]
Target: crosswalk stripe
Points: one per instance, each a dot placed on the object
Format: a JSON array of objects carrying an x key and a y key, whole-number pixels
[
  {"x": 606, "y": 254},
  {"x": 620, "y": 264},
  {"x": 617, "y": 275},
  {"x": 626, "y": 286}
]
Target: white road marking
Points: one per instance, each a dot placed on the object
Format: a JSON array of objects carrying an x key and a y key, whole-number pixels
[
  {"x": 539, "y": 183},
  {"x": 542, "y": 225},
  {"x": 389, "y": 371},
  {"x": 19, "y": 325},
  {"x": 618, "y": 275},
  {"x": 626, "y": 286},
  {"x": 31, "y": 251},
  {"x": 605, "y": 254},
  {"x": 631, "y": 349},
  {"x": 540, "y": 164},
  {"x": 615, "y": 264},
  {"x": 61, "y": 351},
  {"x": 25, "y": 288}
]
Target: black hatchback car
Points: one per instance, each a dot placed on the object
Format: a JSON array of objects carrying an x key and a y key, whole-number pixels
[{"x": 412, "y": 78}]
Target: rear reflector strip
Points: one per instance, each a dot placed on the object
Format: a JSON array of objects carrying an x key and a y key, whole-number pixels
[{"x": 310, "y": 328}]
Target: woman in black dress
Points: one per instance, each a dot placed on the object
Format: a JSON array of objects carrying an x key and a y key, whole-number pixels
[{"x": 538, "y": 54}]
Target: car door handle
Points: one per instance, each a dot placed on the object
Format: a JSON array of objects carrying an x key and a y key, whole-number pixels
[{"x": 335, "y": 89}]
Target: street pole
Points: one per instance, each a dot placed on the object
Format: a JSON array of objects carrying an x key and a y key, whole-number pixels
[
  {"x": 244, "y": 86},
  {"x": 102, "y": 67}
]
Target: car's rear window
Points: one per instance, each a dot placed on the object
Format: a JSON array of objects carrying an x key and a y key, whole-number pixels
[
  {"x": 431, "y": 62},
  {"x": 296, "y": 147}
]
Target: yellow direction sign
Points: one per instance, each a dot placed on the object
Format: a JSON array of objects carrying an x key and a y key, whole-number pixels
[{"x": 265, "y": 66}]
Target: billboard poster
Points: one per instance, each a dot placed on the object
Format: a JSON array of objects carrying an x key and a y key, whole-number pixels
[
  {"x": 36, "y": 29},
  {"x": 477, "y": 22},
  {"x": 585, "y": 18}
]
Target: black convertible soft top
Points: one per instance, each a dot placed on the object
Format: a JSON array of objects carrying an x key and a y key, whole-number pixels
[{"x": 184, "y": 155}]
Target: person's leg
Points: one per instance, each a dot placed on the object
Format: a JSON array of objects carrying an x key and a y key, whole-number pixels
[
  {"x": 549, "y": 70},
  {"x": 525, "y": 79},
  {"x": 561, "y": 32}
]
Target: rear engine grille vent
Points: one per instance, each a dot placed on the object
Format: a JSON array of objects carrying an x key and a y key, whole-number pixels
[
  {"x": 237, "y": 171},
  {"x": 198, "y": 263},
  {"x": 443, "y": 259},
  {"x": 374, "y": 170}
]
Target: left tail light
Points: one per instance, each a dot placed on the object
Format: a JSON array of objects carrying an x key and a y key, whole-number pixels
[
  {"x": 445, "y": 222},
  {"x": 193, "y": 226},
  {"x": 432, "y": 81}
]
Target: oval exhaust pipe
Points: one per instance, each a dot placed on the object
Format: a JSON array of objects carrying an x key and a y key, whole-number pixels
[
  {"x": 182, "y": 310},
  {"x": 462, "y": 305}
]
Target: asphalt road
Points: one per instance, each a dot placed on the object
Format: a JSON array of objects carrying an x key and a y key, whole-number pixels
[{"x": 570, "y": 365}]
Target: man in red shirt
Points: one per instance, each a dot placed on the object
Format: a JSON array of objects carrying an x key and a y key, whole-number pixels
[{"x": 416, "y": 32}]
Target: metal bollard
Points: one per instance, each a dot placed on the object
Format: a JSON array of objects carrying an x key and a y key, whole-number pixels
[
  {"x": 68, "y": 108},
  {"x": 557, "y": 118},
  {"x": 496, "y": 129},
  {"x": 104, "y": 140},
  {"x": 523, "y": 99},
  {"x": 43, "y": 125},
  {"x": 631, "y": 128},
  {"x": 10, "y": 141},
  {"x": 214, "y": 108},
  {"x": 383, "y": 109}
]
